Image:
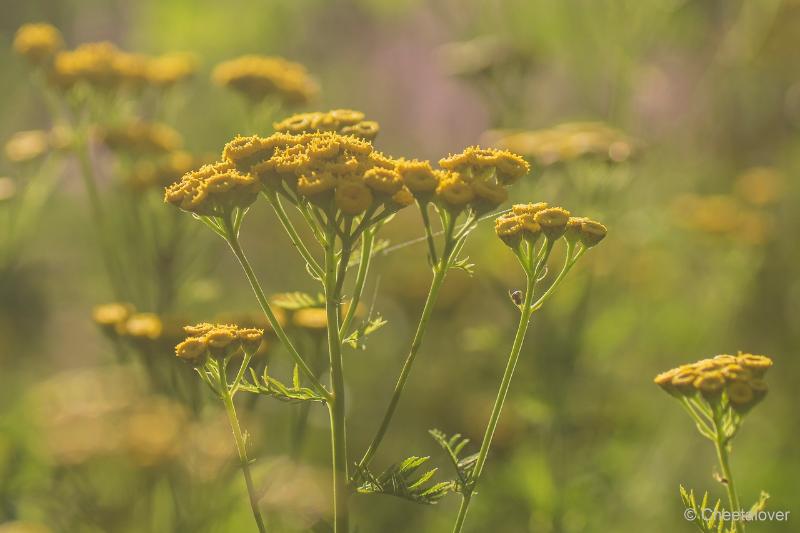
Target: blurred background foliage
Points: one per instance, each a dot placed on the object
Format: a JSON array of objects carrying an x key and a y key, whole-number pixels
[{"x": 676, "y": 122}]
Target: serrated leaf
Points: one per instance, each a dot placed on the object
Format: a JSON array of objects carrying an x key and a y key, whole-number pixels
[
  {"x": 463, "y": 264},
  {"x": 453, "y": 446},
  {"x": 356, "y": 339}
]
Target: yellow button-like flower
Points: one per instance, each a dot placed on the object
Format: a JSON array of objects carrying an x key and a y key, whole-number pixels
[
  {"x": 509, "y": 229},
  {"x": 453, "y": 191},
  {"x": 383, "y": 180},
  {"x": 418, "y": 176},
  {"x": 553, "y": 221},
  {"x": 192, "y": 350},
  {"x": 38, "y": 42},
  {"x": 353, "y": 198}
]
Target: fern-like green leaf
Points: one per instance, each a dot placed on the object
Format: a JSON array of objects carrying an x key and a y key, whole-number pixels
[
  {"x": 403, "y": 480},
  {"x": 463, "y": 465},
  {"x": 356, "y": 339},
  {"x": 267, "y": 385}
]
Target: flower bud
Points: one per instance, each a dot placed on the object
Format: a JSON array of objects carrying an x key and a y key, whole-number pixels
[
  {"x": 222, "y": 342},
  {"x": 251, "y": 339}
]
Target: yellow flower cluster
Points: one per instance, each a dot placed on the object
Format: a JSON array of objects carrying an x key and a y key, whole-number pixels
[
  {"x": 722, "y": 215},
  {"x": 257, "y": 77},
  {"x": 38, "y": 43},
  {"x": 102, "y": 65},
  {"x": 219, "y": 341},
  {"x": 734, "y": 380},
  {"x": 213, "y": 190},
  {"x": 566, "y": 142},
  {"x": 529, "y": 221},
  {"x": 328, "y": 169},
  {"x": 344, "y": 121},
  {"x": 140, "y": 137},
  {"x": 476, "y": 178},
  {"x": 145, "y": 330}
]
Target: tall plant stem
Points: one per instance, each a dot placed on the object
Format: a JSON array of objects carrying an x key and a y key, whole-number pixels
[
  {"x": 439, "y": 274},
  {"x": 233, "y": 242},
  {"x": 721, "y": 445},
  {"x": 336, "y": 406},
  {"x": 241, "y": 447},
  {"x": 502, "y": 393}
]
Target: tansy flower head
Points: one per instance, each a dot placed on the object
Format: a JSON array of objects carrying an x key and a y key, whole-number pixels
[
  {"x": 213, "y": 190},
  {"x": 509, "y": 229},
  {"x": 223, "y": 341},
  {"x": 720, "y": 379},
  {"x": 453, "y": 191},
  {"x": 251, "y": 339},
  {"x": 757, "y": 364},
  {"x": 258, "y": 77},
  {"x": 476, "y": 161},
  {"x": 353, "y": 198},
  {"x": 587, "y": 231},
  {"x": 418, "y": 176},
  {"x": 553, "y": 221},
  {"x": 193, "y": 350},
  {"x": 38, "y": 42},
  {"x": 488, "y": 195},
  {"x": 344, "y": 121}
]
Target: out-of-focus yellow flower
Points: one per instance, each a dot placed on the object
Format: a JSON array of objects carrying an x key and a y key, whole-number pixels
[
  {"x": 258, "y": 77},
  {"x": 153, "y": 431},
  {"x": 170, "y": 69},
  {"x": 38, "y": 42},
  {"x": 141, "y": 137},
  {"x": 27, "y": 145},
  {"x": 566, "y": 142},
  {"x": 8, "y": 188},
  {"x": 760, "y": 186},
  {"x": 312, "y": 318},
  {"x": 722, "y": 215},
  {"x": 92, "y": 63},
  {"x": 144, "y": 326},
  {"x": 111, "y": 317}
]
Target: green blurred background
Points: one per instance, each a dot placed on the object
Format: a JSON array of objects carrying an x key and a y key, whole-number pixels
[{"x": 703, "y": 209}]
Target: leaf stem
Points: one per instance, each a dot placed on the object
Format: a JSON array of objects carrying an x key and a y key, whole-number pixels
[
  {"x": 286, "y": 222},
  {"x": 502, "y": 393},
  {"x": 241, "y": 447},
  {"x": 233, "y": 241},
  {"x": 365, "y": 259},
  {"x": 721, "y": 445}
]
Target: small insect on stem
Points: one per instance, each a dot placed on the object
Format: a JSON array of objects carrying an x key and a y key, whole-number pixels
[{"x": 517, "y": 297}]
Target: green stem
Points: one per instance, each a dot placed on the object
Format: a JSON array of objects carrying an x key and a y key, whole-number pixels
[
  {"x": 439, "y": 274},
  {"x": 502, "y": 393},
  {"x": 336, "y": 406},
  {"x": 569, "y": 262},
  {"x": 721, "y": 445},
  {"x": 365, "y": 259},
  {"x": 233, "y": 242},
  {"x": 286, "y": 222},
  {"x": 241, "y": 448}
]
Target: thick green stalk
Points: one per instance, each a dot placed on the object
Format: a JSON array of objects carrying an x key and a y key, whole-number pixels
[
  {"x": 502, "y": 393},
  {"x": 336, "y": 406},
  {"x": 233, "y": 242},
  {"x": 241, "y": 448},
  {"x": 439, "y": 274},
  {"x": 721, "y": 445}
]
